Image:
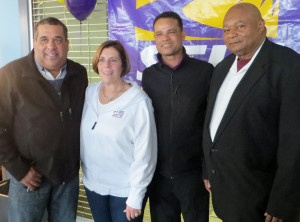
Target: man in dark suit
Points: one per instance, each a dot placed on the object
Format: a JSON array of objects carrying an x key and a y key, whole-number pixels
[{"x": 252, "y": 125}]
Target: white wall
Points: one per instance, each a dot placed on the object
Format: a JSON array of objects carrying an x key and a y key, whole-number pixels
[
  {"x": 15, "y": 29},
  {"x": 10, "y": 43}
]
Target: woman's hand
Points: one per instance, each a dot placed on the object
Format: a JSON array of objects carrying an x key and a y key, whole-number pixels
[{"x": 132, "y": 213}]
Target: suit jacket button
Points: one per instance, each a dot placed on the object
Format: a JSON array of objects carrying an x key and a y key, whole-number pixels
[{"x": 213, "y": 171}]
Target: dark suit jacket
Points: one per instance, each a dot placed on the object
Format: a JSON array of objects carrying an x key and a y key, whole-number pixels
[{"x": 254, "y": 162}]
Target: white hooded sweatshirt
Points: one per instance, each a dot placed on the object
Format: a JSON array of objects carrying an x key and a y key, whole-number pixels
[{"x": 118, "y": 153}]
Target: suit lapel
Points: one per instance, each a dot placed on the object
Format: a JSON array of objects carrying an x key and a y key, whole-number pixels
[
  {"x": 219, "y": 75},
  {"x": 218, "y": 78},
  {"x": 252, "y": 76}
]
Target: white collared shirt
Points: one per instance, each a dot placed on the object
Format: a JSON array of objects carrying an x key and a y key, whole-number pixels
[
  {"x": 47, "y": 75},
  {"x": 55, "y": 82},
  {"x": 226, "y": 90}
]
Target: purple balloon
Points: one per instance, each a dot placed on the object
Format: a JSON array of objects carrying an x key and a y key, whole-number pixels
[{"x": 80, "y": 9}]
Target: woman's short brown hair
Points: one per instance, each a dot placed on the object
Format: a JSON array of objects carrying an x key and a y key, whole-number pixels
[{"x": 120, "y": 49}]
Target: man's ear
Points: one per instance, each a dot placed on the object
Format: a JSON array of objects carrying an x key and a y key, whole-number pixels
[
  {"x": 68, "y": 42},
  {"x": 261, "y": 25},
  {"x": 34, "y": 42},
  {"x": 183, "y": 34}
]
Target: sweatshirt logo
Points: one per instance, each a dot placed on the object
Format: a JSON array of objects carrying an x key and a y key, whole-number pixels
[{"x": 118, "y": 114}]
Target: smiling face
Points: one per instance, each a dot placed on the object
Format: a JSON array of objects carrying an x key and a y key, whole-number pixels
[
  {"x": 110, "y": 65},
  {"x": 168, "y": 37},
  {"x": 244, "y": 30},
  {"x": 51, "y": 48}
]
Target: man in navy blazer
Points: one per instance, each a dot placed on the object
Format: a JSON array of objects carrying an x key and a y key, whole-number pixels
[{"x": 251, "y": 133}]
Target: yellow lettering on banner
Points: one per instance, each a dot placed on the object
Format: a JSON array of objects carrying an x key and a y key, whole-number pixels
[
  {"x": 270, "y": 16},
  {"x": 200, "y": 38},
  {"x": 140, "y": 3},
  {"x": 212, "y": 12},
  {"x": 145, "y": 35}
]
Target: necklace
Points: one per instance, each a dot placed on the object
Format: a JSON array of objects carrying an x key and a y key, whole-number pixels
[
  {"x": 108, "y": 100},
  {"x": 114, "y": 96}
]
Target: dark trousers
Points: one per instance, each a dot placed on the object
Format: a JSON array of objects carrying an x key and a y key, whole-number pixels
[
  {"x": 253, "y": 216},
  {"x": 171, "y": 197}
]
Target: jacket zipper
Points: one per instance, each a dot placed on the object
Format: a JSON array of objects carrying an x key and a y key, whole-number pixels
[
  {"x": 61, "y": 103},
  {"x": 171, "y": 126}
]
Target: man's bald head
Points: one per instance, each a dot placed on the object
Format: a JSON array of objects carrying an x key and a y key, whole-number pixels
[
  {"x": 247, "y": 7},
  {"x": 244, "y": 30}
]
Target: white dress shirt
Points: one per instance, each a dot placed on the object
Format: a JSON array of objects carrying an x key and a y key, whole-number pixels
[{"x": 226, "y": 90}]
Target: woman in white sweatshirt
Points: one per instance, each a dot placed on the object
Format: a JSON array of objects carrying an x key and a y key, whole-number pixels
[{"x": 118, "y": 139}]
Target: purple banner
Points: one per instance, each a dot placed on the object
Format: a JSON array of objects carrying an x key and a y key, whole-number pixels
[{"x": 131, "y": 21}]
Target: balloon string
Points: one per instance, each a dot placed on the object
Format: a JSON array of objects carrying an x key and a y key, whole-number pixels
[
  {"x": 88, "y": 43},
  {"x": 81, "y": 42},
  {"x": 66, "y": 20}
]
